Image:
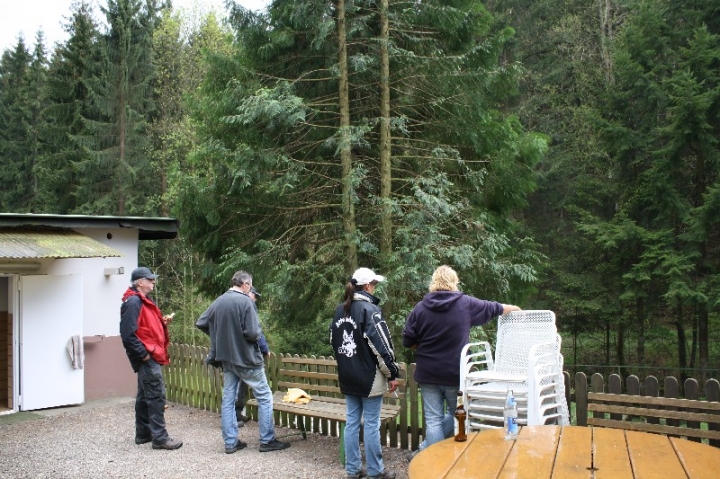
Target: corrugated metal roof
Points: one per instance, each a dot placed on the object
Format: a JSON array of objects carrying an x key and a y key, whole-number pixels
[
  {"x": 51, "y": 243},
  {"x": 148, "y": 228}
]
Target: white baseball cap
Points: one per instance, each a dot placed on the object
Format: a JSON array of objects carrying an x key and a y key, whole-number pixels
[{"x": 366, "y": 275}]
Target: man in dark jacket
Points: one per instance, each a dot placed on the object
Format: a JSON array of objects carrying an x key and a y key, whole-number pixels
[
  {"x": 438, "y": 328},
  {"x": 144, "y": 334},
  {"x": 231, "y": 321},
  {"x": 366, "y": 370}
]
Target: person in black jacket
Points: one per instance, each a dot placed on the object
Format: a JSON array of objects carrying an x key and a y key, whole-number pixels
[{"x": 366, "y": 370}]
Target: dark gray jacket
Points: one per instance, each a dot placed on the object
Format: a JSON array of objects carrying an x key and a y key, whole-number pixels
[{"x": 232, "y": 323}]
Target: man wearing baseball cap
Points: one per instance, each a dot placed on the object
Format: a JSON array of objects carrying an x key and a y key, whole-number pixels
[{"x": 145, "y": 337}]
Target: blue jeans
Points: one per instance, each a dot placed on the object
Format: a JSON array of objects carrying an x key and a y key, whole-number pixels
[
  {"x": 439, "y": 422},
  {"x": 256, "y": 380},
  {"x": 359, "y": 408},
  {"x": 150, "y": 403}
]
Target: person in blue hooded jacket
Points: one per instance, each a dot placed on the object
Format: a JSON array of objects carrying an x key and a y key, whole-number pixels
[{"x": 438, "y": 328}]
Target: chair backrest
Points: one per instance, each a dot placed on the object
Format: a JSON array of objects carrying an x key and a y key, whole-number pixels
[{"x": 517, "y": 333}]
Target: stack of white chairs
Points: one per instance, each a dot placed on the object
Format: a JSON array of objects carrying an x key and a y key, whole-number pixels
[{"x": 527, "y": 361}]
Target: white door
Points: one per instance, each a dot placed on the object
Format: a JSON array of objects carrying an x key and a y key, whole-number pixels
[{"x": 51, "y": 313}]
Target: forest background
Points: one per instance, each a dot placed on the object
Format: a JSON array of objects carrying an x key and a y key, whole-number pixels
[{"x": 559, "y": 154}]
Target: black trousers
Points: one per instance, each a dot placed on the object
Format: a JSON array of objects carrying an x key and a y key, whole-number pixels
[{"x": 150, "y": 403}]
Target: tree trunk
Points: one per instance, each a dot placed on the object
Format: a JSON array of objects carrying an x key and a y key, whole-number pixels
[
  {"x": 640, "y": 314},
  {"x": 682, "y": 341},
  {"x": 704, "y": 356},
  {"x": 385, "y": 142},
  {"x": 348, "y": 207},
  {"x": 607, "y": 341},
  {"x": 620, "y": 347},
  {"x": 606, "y": 38},
  {"x": 122, "y": 135},
  {"x": 694, "y": 340}
]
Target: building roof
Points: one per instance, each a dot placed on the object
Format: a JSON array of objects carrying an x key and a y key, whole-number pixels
[
  {"x": 149, "y": 228},
  {"x": 23, "y": 243}
]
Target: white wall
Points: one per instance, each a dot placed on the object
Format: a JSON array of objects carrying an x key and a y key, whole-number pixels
[{"x": 103, "y": 294}]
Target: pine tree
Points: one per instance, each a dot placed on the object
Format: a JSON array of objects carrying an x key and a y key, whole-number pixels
[
  {"x": 16, "y": 129},
  {"x": 117, "y": 179},
  {"x": 73, "y": 66},
  {"x": 662, "y": 132},
  {"x": 287, "y": 161}
]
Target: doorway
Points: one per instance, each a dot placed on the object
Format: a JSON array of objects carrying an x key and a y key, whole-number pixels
[{"x": 6, "y": 346}]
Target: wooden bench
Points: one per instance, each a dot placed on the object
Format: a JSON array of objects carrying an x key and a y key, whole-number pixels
[
  {"x": 661, "y": 415},
  {"x": 690, "y": 418},
  {"x": 318, "y": 377}
]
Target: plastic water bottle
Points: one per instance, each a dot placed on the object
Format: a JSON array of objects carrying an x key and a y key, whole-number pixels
[{"x": 510, "y": 415}]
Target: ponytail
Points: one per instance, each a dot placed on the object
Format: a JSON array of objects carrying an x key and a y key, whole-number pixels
[{"x": 350, "y": 289}]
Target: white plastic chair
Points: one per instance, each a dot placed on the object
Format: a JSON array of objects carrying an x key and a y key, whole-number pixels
[{"x": 527, "y": 360}]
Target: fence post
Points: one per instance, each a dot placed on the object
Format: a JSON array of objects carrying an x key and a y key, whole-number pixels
[
  {"x": 413, "y": 390},
  {"x": 692, "y": 390},
  {"x": 672, "y": 390},
  {"x": 615, "y": 387},
  {"x": 581, "y": 402},
  {"x": 404, "y": 429},
  {"x": 568, "y": 394},
  {"x": 712, "y": 393}
]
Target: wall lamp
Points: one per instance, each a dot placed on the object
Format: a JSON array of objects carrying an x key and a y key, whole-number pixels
[{"x": 111, "y": 271}]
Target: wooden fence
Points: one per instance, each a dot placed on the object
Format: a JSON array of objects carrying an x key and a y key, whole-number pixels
[
  {"x": 191, "y": 382},
  {"x": 648, "y": 407}
]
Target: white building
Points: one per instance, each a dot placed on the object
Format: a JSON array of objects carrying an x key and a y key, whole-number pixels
[{"x": 61, "y": 283}]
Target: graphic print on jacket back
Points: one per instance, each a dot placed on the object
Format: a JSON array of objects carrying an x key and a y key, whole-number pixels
[{"x": 348, "y": 345}]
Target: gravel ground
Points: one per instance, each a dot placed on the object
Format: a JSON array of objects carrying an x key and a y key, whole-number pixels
[{"x": 96, "y": 440}]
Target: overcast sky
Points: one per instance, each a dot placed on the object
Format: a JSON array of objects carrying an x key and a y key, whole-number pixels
[{"x": 27, "y": 16}]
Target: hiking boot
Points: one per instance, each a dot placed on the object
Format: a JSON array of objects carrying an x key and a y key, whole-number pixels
[
  {"x": 384, "y": 475},
  {"x": 242, "y": 418},
  {"x": 142, "y": 440},
  {"x": 238, "y": 445},
  {"x": 359, "y": 475},
  {"x": 170, "y": 444},
  {"x": 274, "y": 445}
]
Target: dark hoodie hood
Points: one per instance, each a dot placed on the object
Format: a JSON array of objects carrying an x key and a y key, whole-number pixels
[{"x": 441, "y": 300}]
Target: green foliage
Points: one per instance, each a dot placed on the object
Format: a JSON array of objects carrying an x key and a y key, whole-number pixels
[
  {"x": 115, "y": 133},
  {"x": 606, "y": 212},
  {"x": 73, "y": 66},
  {"x": 22, "y": 98},
  {"x": 265, "y": 195}
]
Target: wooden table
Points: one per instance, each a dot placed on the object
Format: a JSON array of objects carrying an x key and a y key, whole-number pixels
[{"x": 567, "y": 452}]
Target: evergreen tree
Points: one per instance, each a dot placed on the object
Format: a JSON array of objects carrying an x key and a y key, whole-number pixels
[
  {"x": 73, "y": 66},
  {"x": 564, "y": 49},
  {"x": 17, "y": 118},
  {"x": 286, "y": 161},
  {"x": 661, "y": 129},
  {"x": 181, "y": 44},
  {"x": 116, "y": 178}
]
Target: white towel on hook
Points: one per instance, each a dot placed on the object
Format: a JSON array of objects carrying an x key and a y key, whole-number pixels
[{"x": 76, "y": 351}]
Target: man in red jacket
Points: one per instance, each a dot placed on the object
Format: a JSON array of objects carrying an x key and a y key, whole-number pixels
[{"x": 144, "y": 334}]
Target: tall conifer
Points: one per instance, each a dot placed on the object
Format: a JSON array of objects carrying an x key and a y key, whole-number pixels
[{"x": 116, "y": 178}]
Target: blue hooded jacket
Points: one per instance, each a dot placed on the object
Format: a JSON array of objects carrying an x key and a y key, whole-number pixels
[{"x": 440, "y": 327}]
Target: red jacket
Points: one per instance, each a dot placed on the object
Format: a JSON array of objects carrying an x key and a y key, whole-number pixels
[{"x": 148, "y": 327}]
